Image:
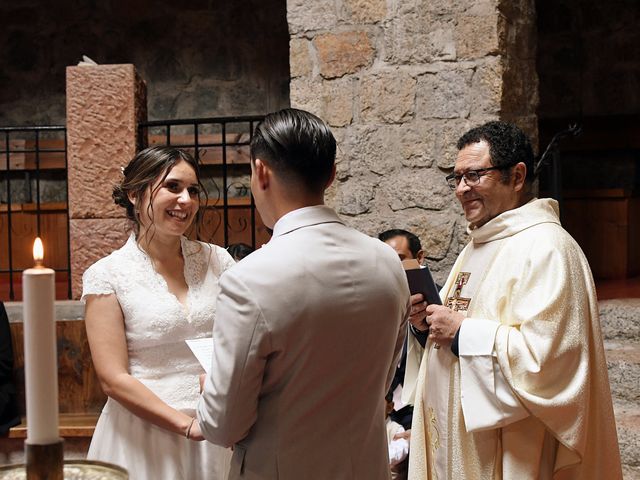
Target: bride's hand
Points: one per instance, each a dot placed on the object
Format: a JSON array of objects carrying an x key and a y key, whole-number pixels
[{"x": 196, "y": 434}]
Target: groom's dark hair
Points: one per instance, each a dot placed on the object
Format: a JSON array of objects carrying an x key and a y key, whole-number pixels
[{"x": 298, "y": 146}]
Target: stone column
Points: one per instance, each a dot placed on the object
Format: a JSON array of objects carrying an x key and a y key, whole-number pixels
[
  {"x": 105, "y": 103},
  {"x": 399, "y": 82}
]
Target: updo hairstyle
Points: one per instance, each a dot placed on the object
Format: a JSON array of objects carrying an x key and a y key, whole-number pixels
[{"x": 145, "y": 169}]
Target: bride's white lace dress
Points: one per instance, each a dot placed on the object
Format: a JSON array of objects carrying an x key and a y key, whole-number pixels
[{"x": 157, "y": 325}]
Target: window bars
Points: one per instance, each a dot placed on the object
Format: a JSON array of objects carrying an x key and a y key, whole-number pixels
[
  {"x": 33, "y": 202},
  {"x": 221, "y": 146}
]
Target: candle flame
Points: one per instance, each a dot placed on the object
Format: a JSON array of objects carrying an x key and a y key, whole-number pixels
[{"x": 38, "y": 251}]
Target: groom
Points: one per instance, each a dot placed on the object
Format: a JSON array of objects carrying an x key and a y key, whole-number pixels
[{"x": 308, "y": 329}]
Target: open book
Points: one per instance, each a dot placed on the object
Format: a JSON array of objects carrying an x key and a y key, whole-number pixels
[{"x": 420, "y": 281}]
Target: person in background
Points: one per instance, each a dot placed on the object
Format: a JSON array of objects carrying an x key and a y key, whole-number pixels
[
  {"x": 519, "y": 389},
  {"x": 398, "y": 444},
  {"x": 289, "y": 387},
  {"x": 408, "y": 246},
  {"x": 142, "y": 302},
  {"x": 9, "y": 414},
  {"x": 239, "y": 250}
]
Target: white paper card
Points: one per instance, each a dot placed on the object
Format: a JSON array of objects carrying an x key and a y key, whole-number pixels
[{"x": 202, "y": 348}]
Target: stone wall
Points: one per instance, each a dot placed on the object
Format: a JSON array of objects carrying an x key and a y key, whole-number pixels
[
  {"x": 399, "y": 82},
  {"x": 200, "y": 58}
]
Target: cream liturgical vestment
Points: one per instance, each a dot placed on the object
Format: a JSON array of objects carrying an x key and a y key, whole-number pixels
[{"x": 528, "y": 397}]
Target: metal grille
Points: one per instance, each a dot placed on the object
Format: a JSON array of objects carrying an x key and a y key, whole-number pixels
[
  {"x": 221, "y": 146},
  {"x": 33, "y": 202}
]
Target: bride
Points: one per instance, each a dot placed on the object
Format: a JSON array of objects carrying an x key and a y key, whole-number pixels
[{"x": 142, "y": 302}]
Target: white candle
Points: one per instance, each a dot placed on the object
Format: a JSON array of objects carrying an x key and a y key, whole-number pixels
[{"x": 40, "y": 360}]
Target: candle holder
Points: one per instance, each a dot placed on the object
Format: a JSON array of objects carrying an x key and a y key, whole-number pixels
[
  {"x": 72, "y": 470},
  {"x": 44, "y": 461}
]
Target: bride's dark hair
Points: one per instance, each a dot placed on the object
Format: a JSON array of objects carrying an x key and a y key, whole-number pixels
[{"x": 148, "y": 167}]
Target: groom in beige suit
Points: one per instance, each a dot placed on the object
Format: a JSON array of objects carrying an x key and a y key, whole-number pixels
[{"x": 308, "y": 329}]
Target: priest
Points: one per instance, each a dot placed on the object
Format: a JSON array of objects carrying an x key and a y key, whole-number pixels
[{"x": 513, "y": 381}]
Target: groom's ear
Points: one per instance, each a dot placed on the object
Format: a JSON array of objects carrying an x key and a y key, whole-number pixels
[{"x": 263, "y": 173}]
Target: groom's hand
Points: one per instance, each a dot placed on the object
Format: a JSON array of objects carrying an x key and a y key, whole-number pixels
[
  {"x": 195, "y": 433},
  {"x": 201, "y": 379}
]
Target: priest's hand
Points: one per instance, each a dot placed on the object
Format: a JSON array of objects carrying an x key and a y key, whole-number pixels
[
  {"x": 418, "y": 313},
  {"x": 443, "y": 324}
]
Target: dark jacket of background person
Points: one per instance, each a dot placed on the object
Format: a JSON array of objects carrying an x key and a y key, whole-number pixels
[{"x": 9, "y": 415}]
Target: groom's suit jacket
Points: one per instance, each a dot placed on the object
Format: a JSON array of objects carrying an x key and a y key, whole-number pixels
[{"x": 307, "y": 336}]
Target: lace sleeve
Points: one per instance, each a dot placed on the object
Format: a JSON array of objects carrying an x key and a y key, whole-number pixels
[
  {"x": 96, "y": 281},
  {"x": 225, "y": 259}
]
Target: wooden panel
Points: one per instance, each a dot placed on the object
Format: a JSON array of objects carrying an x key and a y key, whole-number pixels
[
  {"x": 62, "y": 286},
  {"x": 78, "y": 387},
  {"x": 53, "y": 230},
  {"x": 16, "y": 160},
  {"x": 22, "y": 155},
  {"x": 601, "y": 228},
  {"x": 71, "y": 425}
]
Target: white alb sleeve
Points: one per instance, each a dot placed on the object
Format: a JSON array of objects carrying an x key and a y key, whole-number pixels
[{"x": 487, "y": 400}]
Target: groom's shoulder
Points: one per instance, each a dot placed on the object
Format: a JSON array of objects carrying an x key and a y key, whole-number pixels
[{"x": 263, "y": 257}]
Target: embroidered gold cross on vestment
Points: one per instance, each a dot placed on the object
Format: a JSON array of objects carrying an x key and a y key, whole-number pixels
[{"x": 456, "y": 302}]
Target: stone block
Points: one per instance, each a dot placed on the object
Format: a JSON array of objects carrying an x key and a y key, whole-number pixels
[
  {"x": 435, "y": 230},
  {"x": 419, "y": 37},
  {"x": 104, "y": 105},
  {"x": 387, "y": 97},
  {"x": 423, "y": 142},
  {"x": 366, "y": 11},
  {"x": 455, "y": 7},
  {"x": 356, "y": 194},
  {"x": 446, "y": 94},
  {"x": 418, "y": 188},
  {"x": 305, "y": 16},
  {"x": 477, "y": 36},
  {"x": 299, "y": 58},
  {"x": 343, "y": 53},
  {"x": 337, "y": 101},
  {"x": 304, "y": 95},
  {"x": 418, "y": 143},
  {"x": 330, "y": 100},
  {"x": 371, "y": 149},
  {"x": 92, "y": 239},
  {"x": 487, "y": 88}
]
